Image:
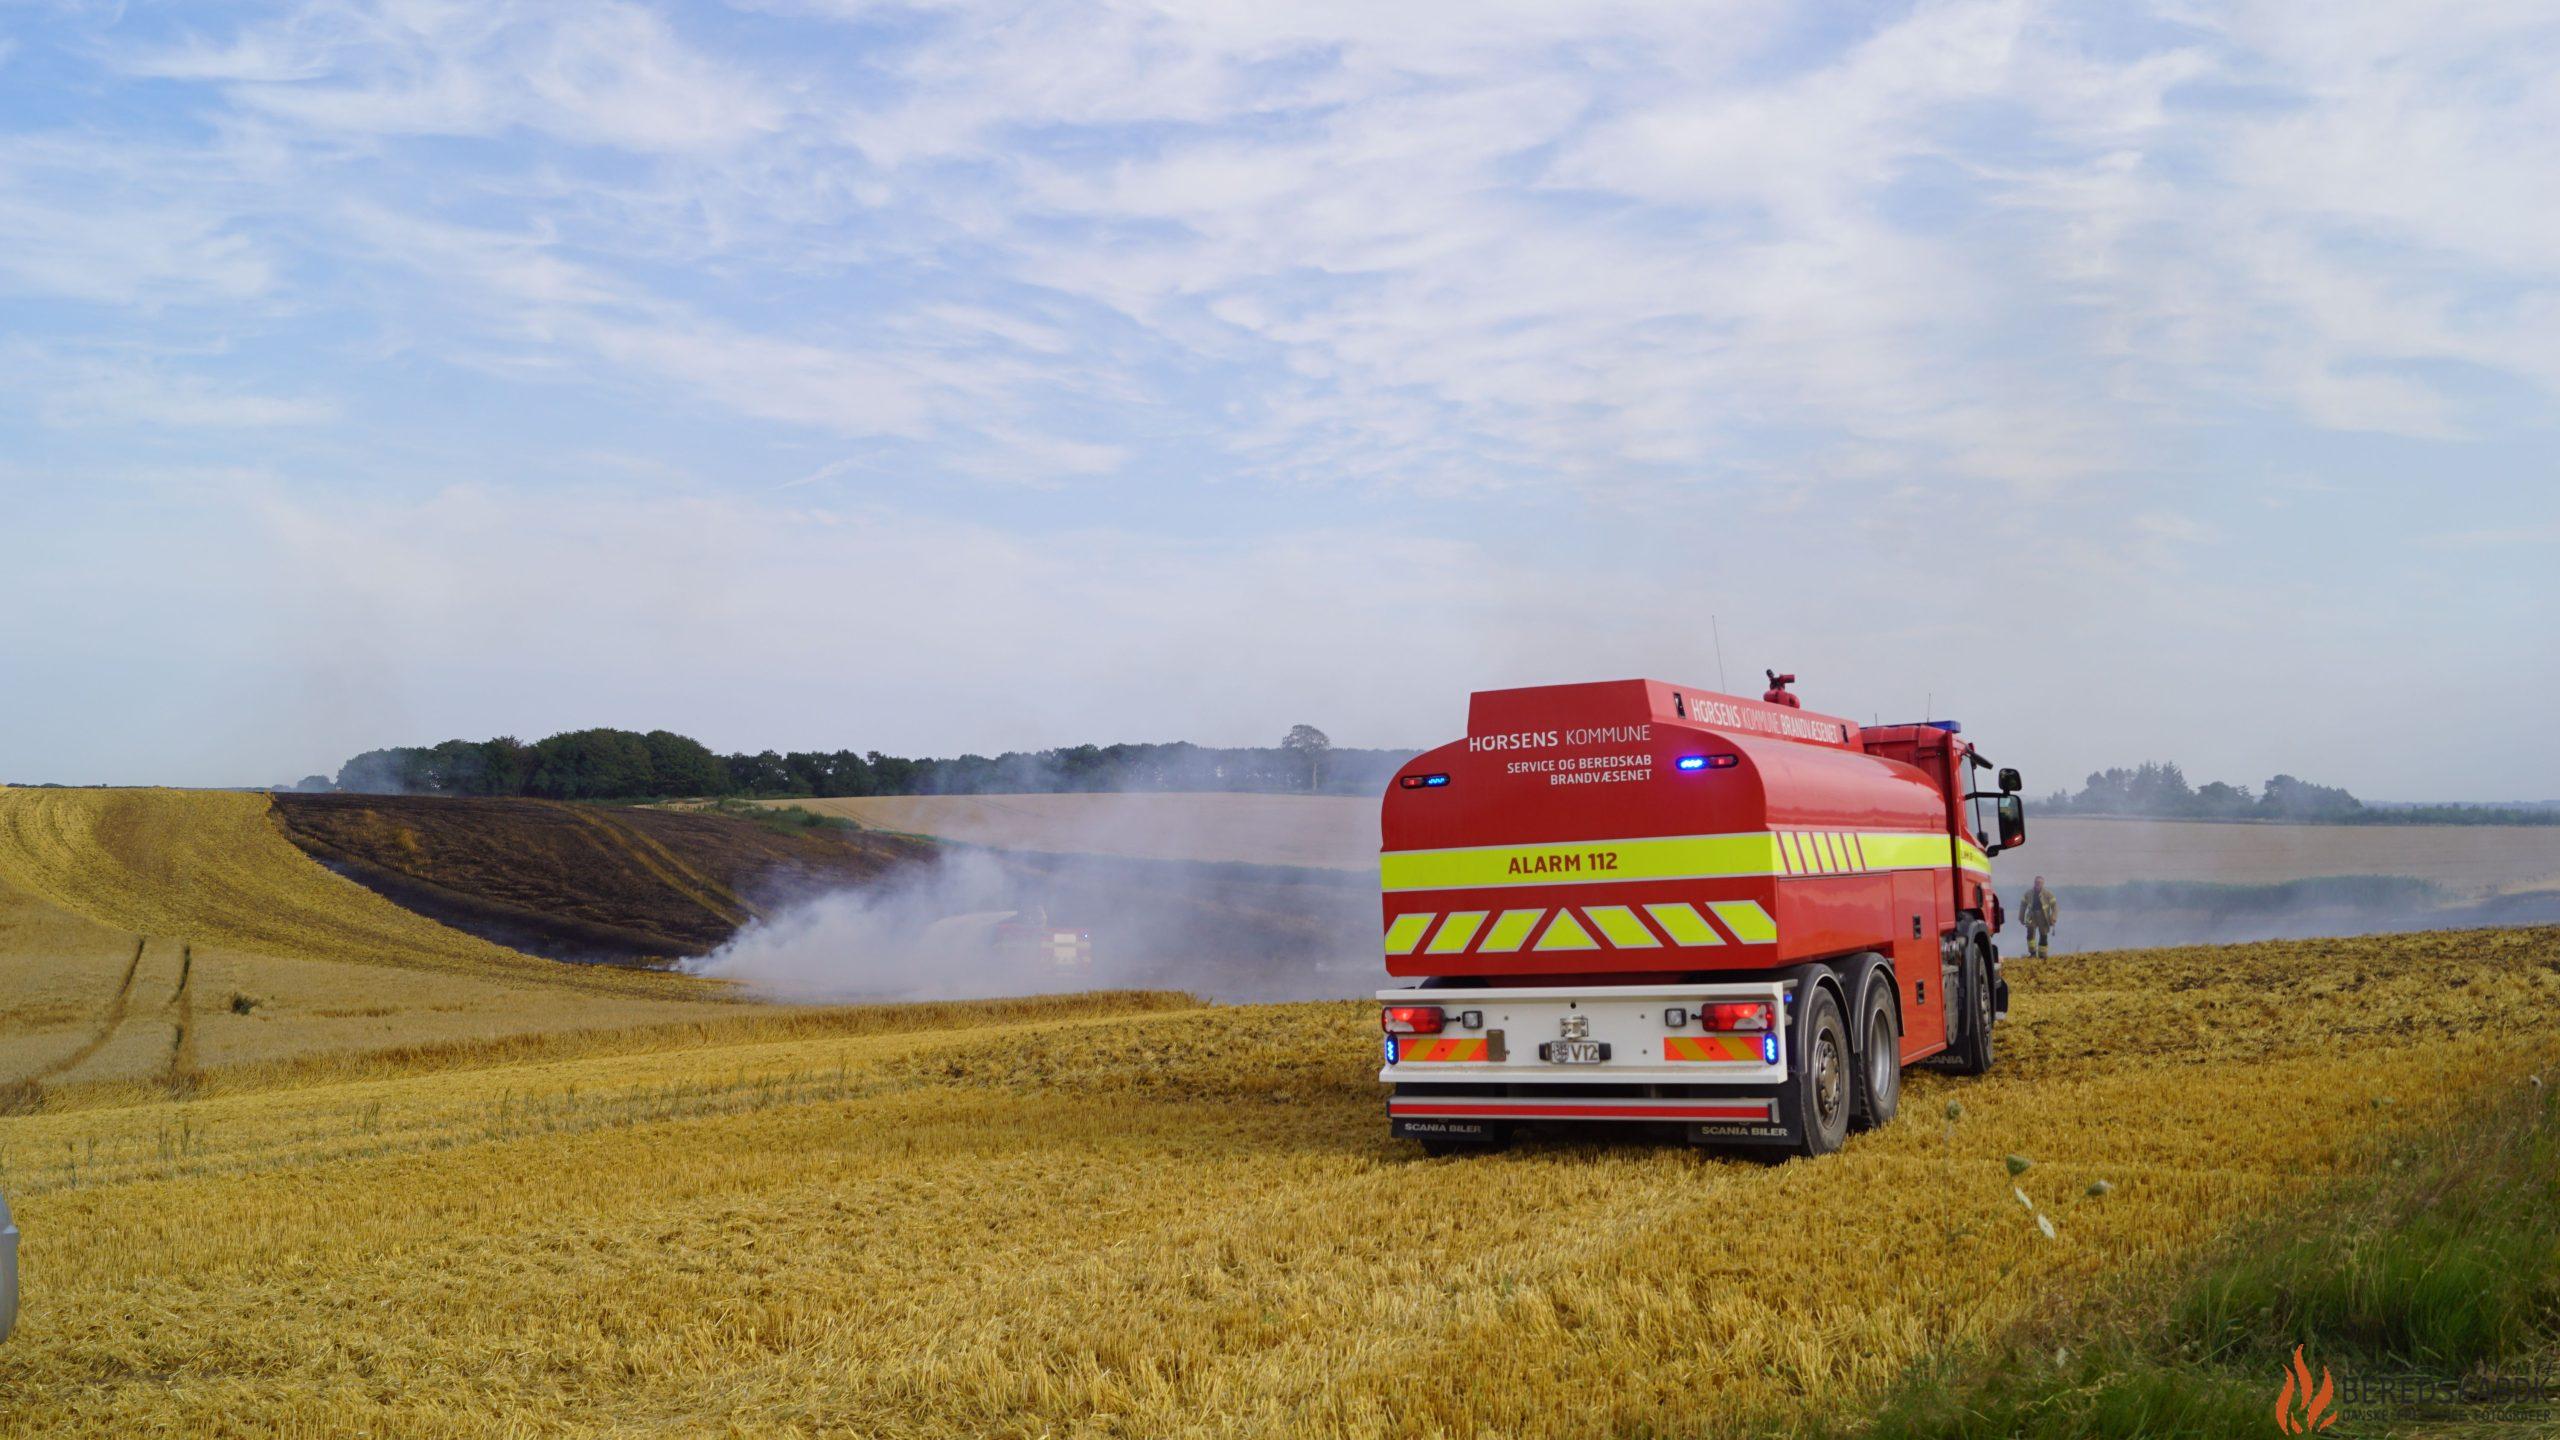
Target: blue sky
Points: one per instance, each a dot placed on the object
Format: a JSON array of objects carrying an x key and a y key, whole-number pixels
[{"x": 2171, "y": 381}]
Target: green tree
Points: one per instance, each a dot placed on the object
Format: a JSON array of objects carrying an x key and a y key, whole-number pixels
[
  {"x": 592, "y": 765},
  {"x": 396, "y": 771},
  {"x": 1309, "y": 744},
  {"x": 506, "y": 764},
  {"x": 681, "y": 765}
]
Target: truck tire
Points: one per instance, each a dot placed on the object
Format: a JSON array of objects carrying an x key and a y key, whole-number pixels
[
  {"x": 1973, "y": 1040},
  {"x": 1879, "y": 1056},
  {"x": 1826, "y": 1089}
]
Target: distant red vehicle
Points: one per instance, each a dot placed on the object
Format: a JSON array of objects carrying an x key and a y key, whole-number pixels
[
  {"x": 1640, "y": 902},
  {"x": 1030, "y": 934}
]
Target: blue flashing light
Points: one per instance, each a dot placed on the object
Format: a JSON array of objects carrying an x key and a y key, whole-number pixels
[
  {"x": 1435, "y": 780},
  {"x": 1692, "y": 762},
  {"x": 1952, "y": 727},
  {"x": 1707, "y": 762},
  {"x": 1769, "y": 1048}
]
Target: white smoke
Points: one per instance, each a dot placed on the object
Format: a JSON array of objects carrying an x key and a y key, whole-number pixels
[
  {"x": 1146, "y": 879},
  {"x": 934, "y": 932}
]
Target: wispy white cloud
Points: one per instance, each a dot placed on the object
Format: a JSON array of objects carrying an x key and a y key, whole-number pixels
[
  {"x": 84, "y": 219},
  {"x": 106, "y": 388},
  {"x": 1446, "y": 246},
  {"x": 605, "y": 74},
  {"x": 1598, "y": 296}
]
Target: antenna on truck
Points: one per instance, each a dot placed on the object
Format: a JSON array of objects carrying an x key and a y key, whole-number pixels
[{"x": 1718, "y": 631}]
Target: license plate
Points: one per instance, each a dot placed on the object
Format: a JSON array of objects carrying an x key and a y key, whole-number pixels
[{"x": 1575, "y": 1052}]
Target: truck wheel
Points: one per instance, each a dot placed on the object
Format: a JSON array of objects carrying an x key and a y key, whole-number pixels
[
  {"x": 1973, "y": 1046},
  {"x": 1879, "y": 1063},
  {"x": 1827, "y": 1090}
]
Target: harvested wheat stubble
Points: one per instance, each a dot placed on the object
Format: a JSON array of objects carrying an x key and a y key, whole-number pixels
[
  {"x": 211, "y": 867},
  {"x": 155, "y": 939},
  {"x": 1151, "y": 1222}
]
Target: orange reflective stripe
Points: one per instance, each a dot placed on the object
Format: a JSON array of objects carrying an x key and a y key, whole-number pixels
[
  {"x": 1710, "y": 1047},
  {"x": 1440, "y": 1047}
]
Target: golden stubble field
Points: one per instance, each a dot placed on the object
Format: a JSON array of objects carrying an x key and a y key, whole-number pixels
[
  {"x": 426, "y": 1186},
  {"x": 152, "y": 937},
  {"x": 1130, "y": 1216}
]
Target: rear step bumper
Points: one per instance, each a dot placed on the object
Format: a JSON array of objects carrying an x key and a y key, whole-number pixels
[
  {"x": 1420, "y": 1107},
  {"x": 1723, "y": 1117}
]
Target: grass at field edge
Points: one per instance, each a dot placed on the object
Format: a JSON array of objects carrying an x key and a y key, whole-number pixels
[{"x": 2438, "y": 1264}]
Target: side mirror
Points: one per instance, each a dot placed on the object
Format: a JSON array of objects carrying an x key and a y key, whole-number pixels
[
  {"x": 2013, "y": 821},
  {"x": 2010, "y": 784}
]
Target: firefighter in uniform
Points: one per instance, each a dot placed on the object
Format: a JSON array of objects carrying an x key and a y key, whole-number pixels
[{"x": 2040, "y": 911}]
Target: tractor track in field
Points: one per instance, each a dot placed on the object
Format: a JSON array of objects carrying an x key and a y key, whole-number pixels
[
  {"x": 110, "y": 1019},
  {"x": 182, "y": 1074},
  {"x": 664, "y": 866}
]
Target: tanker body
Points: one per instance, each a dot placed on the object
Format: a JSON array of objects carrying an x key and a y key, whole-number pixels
[{"x": 1635, "y": 902}]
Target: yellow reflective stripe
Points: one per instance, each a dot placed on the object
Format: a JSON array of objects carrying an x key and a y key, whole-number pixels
[
  {"x": 1584, "y": 862},
  {"x": 1406, "y": 932},
  {"x": 1566, "y": 933},
  {"x": 1670, "y": 857},
  {"x": 1684, "y": 924},
  {"x": 1904, "y": 851},
  {"x": 1455, "y": 932},
  {"x": 1508, "y": 931},
  {"x": 1622, "y": 927},
  {"x": 1749, "y": 923}
]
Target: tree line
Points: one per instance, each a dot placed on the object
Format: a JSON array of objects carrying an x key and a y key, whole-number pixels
[
  {"x": 2159, "y": 790},
  {"x": 607, "y": 764}
]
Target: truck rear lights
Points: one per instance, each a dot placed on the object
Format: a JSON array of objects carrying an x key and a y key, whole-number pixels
[
  {"x": 1735, "y": 1015},
  {"x": 1769, "y": 1048},
  {"x": 1674, "y": 1018},
  {"x": 1470, "y": 1019},
  {"x": 1707, "y": 762},
  {"x": 1423, "y": 782},
  {"x": 1411, "y": 1020}
]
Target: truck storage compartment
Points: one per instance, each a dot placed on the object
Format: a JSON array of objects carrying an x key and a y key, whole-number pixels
[{"x": 1637, "y": 828}]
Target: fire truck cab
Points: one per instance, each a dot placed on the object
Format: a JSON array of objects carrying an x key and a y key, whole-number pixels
[{"x": 1639, "y": 902}]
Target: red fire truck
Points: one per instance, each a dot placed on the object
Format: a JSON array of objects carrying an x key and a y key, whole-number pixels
[{"x": 1636, "y": 902}]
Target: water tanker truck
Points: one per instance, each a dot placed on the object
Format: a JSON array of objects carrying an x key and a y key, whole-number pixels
[{"x": 1633, "y": 902}]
